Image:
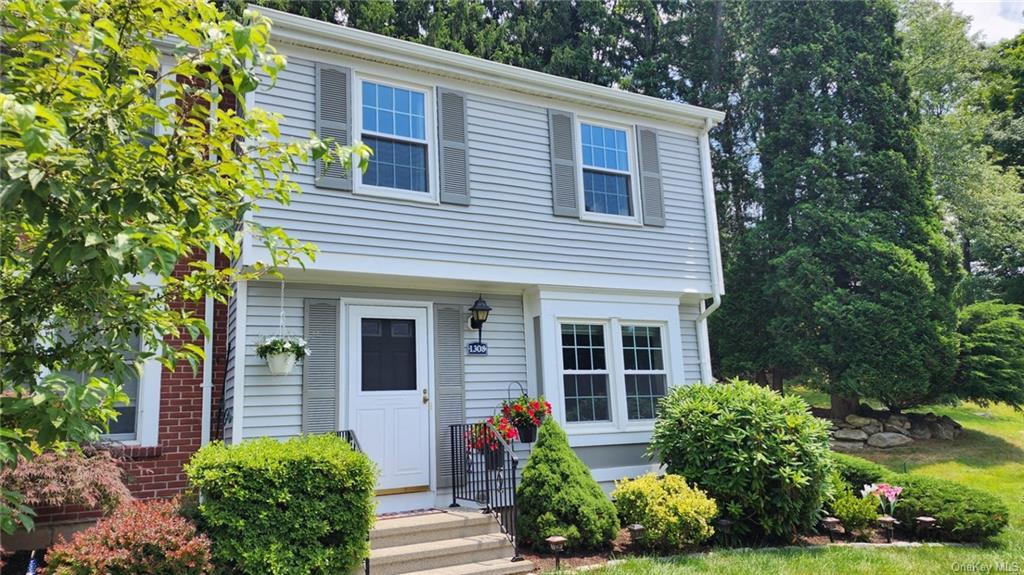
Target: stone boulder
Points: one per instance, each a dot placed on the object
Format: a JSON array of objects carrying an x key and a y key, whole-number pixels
[
  {"x": 886, "y": 440},
  {"x": 872, "y": 428},
  {"x": 860, "y": 421},
  {"x": 847, "y": 445},
  {"x": 894, "y": 429},
  {"x": 850, "y": 435},
  {"x": 920, "y": 431}
]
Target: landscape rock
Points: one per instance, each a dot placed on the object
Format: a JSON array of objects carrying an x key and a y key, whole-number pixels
[
  {"x": 850, "y": 435},
  {"x": 886, "y": 440},
  {"x": 847, "y": 445},
  {"x": 894, "y": 429},
  {"x": 872, "y": 428},
  {"x": 920, "y": 432},
  {"x": 859, "y": 421}
]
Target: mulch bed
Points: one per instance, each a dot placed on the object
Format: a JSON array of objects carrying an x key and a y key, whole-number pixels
[{"x": 622, "y": 549}]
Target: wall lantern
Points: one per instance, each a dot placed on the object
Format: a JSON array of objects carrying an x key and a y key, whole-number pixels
[{"x": 478, "y": 315}]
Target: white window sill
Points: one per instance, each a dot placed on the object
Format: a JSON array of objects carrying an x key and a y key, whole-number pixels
[
  {"x": 599, "y": 218},
  {"x": 578, "y": 438},
  {"x": 395, "y": 194}
]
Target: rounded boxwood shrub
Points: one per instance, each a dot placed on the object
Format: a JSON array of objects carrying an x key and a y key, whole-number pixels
[
  {"x": 673, "y": 514},
  {"x": 857, "y": 514},
  {"x": 558, "y": 496},
  {"x": 858, "y": 472},
  {"x": 961, "y": 513},
  {"x": 139, "y": 537},
  {"x": 305, "y": 505},
  {"x": 763, "y": 457}
]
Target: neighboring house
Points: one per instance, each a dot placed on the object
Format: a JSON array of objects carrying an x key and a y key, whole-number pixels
[{"x": 583, "y": 215}]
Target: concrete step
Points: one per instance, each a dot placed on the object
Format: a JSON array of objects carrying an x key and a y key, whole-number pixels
[
  {"x": 492, "y": 567},
  {"x": 451, "y": 524},
  {"x": 446, "y": 553}
]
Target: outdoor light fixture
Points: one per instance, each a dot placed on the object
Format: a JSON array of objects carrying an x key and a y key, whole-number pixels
[
  {"x": 556, "y": 543},
  {"x": 723, "y": 526},
  {"x": 832, "y": 526},
  {"x": 478, "y": 315},
  {"x": 924, "y": 525},
  {"x": 887, "y": 522}
]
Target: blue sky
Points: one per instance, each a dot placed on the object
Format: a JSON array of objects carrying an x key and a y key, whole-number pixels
[{"x": 995, "y": 19}]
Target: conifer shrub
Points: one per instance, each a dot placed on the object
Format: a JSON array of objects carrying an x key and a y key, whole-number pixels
[
  {"x": 139, "y": 537},
  {"x": 673, "y": 514},
  {"x": 558, "y": 496},
  {"x": 858, "y": 472},
  {"x": 961, "y": 513},
  {"x": 303, "y": 506},
  {"x": 857, "y": 514},
  {"x": 763, "y": 457}
]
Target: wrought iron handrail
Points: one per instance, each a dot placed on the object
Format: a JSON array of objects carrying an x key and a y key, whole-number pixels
[
  {"x": 483, "y": 468},
  {"x": 349, "y": 435}
]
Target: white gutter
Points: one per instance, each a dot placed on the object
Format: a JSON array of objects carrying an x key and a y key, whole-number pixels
[{"x": 208, "y": 360}]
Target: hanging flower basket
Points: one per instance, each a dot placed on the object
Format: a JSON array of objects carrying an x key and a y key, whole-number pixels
[
  {"x": 281, "y": 353},
  {"x": 526, "y": 414}
]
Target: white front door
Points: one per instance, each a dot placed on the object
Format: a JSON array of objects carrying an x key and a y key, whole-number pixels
[{"x": 389, "y": 406}]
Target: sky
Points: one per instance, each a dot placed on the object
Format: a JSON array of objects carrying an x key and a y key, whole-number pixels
[{"x": 995, "y": 19}]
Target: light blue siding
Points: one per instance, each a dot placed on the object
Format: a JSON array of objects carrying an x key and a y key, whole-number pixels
[{"x": 510, "y": 217}]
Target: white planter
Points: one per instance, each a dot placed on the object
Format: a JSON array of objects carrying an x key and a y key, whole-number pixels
[{"x": 281, "y": 363}]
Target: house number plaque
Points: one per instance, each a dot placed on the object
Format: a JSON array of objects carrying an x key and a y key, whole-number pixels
[{"x": 476, "y": 348}]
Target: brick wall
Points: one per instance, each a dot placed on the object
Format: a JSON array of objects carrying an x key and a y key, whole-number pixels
[{"x": 158, "y": 471}]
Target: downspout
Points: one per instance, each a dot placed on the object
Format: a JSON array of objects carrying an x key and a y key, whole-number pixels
[
  {"x": 711, "y": 221},
  {"x": 714, "y": 249},
  {"x": 208, "y": 359}
]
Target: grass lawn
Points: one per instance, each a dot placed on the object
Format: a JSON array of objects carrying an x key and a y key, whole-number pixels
[{"x": 989, "y": 456}]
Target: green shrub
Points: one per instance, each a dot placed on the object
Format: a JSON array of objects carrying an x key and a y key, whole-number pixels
[
  {"x": 857, "y": 514},
  {"x": 673, "y": 513},
  {"x": 858, "y": 472},
  {"x": 763, "y": 457},
  {"x": 558, "y": 496},
  {"x": 961, "y": 513},
  {"x": 298, "y": 507}
]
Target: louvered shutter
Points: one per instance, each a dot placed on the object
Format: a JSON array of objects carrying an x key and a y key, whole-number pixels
[
  {"x": 320, "y": 367},
  {"x": 333, "y": 120},
  {"x": 454, "y": 148},
  {"x": 652, "y": 195},
  {"x": 451, "y": 389},
  {"x": 562, "y": 136}
]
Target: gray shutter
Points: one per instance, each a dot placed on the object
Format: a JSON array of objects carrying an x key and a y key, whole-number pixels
[
  {"x": 334, "y": 120},
  {"x": 320, "y": 367},
  {"x": 652, "y": 196},
  {"x": 451, "y": 389},
  {"x": 453, "y": 148},
  {"x": 562, "y": 135}
]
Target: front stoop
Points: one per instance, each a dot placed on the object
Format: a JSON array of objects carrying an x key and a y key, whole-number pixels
[{"x": 455, "y": 542}]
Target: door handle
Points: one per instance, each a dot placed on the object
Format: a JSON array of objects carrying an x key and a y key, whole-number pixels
[{"x": 426, "y": 396}]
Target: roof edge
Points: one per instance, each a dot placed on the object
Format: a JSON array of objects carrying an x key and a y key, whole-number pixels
[{"x": 303, "y": 31}]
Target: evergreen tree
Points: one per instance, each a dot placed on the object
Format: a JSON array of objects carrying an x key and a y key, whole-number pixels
[{"x": 859, "y": 275}]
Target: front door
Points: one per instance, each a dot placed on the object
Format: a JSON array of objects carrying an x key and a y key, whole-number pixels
[{"x": 389, "y": 401}]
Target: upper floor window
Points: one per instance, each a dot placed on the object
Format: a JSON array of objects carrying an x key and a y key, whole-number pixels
[
  {"x": 606, "y": 174},
  {"x": 394, "y": 126}
]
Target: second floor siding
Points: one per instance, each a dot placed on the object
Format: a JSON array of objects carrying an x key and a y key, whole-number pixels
[{"x": 509, "y": 223}]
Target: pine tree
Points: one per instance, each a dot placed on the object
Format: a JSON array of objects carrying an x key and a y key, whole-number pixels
[{"x": 860, "y": 273}]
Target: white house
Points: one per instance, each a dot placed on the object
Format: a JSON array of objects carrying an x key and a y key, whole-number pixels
[{"x": 583, "y": 215}]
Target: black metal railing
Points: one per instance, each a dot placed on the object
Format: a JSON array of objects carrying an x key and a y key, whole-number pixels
[
  {"x": 350, "y": 436},
  {"x": 484, "y": 472}
]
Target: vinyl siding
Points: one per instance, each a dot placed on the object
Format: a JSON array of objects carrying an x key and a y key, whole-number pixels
[
  {"x": 229, "y": 371},
  {"x": 510, "y": 216},
  {"x": 688, "y": 313},
  {"x": 273, "y": 404}
]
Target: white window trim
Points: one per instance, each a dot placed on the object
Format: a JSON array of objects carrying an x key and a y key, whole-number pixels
[
  {"x": 634, "y": 174},
  {"x": 147, "y": 407},
  {"x": 615, "y": 365},
  {"x": 430, "y": 131},
  {"x": 663, "y": 329}
]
